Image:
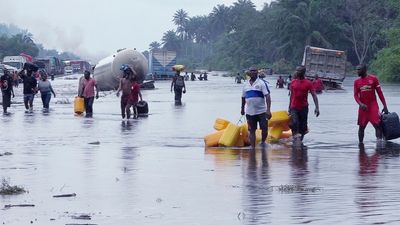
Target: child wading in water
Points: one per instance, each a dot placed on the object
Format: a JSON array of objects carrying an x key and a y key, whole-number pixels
[{"x": 134, "y": 98}]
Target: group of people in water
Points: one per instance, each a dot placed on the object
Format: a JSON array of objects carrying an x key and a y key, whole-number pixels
[
  {"x": 31, "y": 86},
  {"x": 256, "y": 103},
  {"x": 87, "y": 89},
  {"x": 131, "y": 94},
  {"x": 128, "y": 85},
  {"x": 256, "y": 100}
]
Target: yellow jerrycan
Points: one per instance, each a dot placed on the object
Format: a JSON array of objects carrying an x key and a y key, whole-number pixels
[
  {"x": 230, "y": 136},
  {"x": 79, "y": 105}
]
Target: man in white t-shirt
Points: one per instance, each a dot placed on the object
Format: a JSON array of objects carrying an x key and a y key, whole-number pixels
[{"x": 256, "y": 98}]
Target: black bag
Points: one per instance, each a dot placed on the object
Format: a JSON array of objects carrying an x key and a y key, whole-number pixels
[
  {"x": 30, "y": 66},
  {"x": 142, "y": 107},
  {"x": 390, "y": 125}
]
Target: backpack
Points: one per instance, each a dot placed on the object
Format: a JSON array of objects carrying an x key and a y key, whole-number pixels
[{"x": 179, "y": 81}]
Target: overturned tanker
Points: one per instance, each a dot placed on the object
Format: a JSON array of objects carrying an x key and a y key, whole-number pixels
[{"x": 107, "y": 72}]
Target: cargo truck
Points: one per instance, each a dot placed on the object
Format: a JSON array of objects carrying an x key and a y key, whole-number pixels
[
  {"x": 52, "y": 64},
  {"x": 15, "y": 61},
  {"x": 328, "y": 64},
  {"x": 160, "y": 64}
]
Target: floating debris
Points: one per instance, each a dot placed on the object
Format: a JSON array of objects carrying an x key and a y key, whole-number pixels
[
  {"x": 7, "y": 189},
  {"x": 64, "y": 195},
  {"x": 290, "y": 188},
  {"x": 82, "y": 217},
  {"x": 241, "y": 216},
  {"x": 80, "y": 224},
  {"x": 19, "y": 205},
  {"x": 5, "y": 153}
]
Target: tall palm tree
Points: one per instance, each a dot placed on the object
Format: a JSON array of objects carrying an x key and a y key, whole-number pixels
[
  {"x": 297, "y": 25},
  {"x": 219, "y": 20},
  {"x": 198, "y": 29},
  {"x": 181, "y": 19}
]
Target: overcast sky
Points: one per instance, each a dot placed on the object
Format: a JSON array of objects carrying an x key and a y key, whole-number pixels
[{"x": 97, "y": 28}]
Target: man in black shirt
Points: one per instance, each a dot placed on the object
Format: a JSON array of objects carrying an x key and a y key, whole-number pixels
[
  {"x": 6, "y": 82},
  {"x": 30, "y": 88}
]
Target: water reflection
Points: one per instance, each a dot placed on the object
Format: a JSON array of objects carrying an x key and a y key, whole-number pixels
[
  {"x": 370, "y": 189},
  {"x": 368, "y": 164},
  {"x": 256, "y": 188},
  {"x": 390, "y": 149},
  {"x": 367, "y": 188},
  {"x": 126, "y": 125},
  {"x": 87, "y": 123},
  {"x": 302, "y": 201}
]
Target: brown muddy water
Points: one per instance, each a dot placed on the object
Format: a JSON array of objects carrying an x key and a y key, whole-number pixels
[{"x": 155, "y": 170}]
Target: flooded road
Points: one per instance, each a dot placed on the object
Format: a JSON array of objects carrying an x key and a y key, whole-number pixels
[{"x": 155, "y": 170}]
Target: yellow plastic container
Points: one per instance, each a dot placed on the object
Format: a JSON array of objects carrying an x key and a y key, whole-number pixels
[
  {"x": 220, "y": 124},
  {"x": 240, "y": 141},
  {"x": 244, "y": 133},
  {"x": 275, "y": 132},
  {"x": 230, "y": 136},
  {"x": 212, "y": 139},
  {"x": 79, "y": 105},
  {"x": 279, "y": 117},
  {"x": 286, "y": 134}
]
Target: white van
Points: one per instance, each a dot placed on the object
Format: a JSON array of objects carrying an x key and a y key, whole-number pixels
[
  {"x": 15, "y": 61},
  {"x": 68, "y": 70}
]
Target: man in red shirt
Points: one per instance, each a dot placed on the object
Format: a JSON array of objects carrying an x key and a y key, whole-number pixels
[
  {"x": 87, "y": 92},
  {"x": 364, "y": 94},
  {"x": 318, "y": 85},
  {"x": 298, "y": 105}
]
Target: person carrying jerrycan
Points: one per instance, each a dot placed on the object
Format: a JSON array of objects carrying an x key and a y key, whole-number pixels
[{"x": 256, "y": 98}]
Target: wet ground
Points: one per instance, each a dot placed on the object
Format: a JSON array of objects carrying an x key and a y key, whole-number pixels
[{"x": 155, "y": 170}]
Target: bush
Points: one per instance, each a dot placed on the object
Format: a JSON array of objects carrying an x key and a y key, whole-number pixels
[{"x": 387, "y": 64}]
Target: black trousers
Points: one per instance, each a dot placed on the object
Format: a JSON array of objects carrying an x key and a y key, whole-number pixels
[
  {"x": 178, "y": 94},
  {"x": 89, "y": 105},
  {"x": 299, "y": 119}
]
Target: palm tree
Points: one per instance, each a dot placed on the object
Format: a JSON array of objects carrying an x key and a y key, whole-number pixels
[
  {"x": 181, "y": 19},
  {"x": 198, "y": 29},
  {"x": 298, "y": 25},
  {"x": 219, "y": 20},
  {"x": 170, "y": 41},
  {"x": 154, "y": 45}
]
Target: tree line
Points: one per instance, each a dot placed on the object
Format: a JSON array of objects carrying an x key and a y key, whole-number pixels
[
  {"x": 238, "y": 36},
  {"x": 14, "y": 41}
]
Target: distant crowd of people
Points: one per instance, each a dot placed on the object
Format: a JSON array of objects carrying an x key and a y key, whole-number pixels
[{"x": 33, "y": 81}]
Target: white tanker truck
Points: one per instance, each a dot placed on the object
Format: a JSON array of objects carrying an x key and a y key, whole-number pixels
[{"x": 107, "y": 72}]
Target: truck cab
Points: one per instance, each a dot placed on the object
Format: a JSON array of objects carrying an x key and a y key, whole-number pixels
[{"x": 15, "y": 61}]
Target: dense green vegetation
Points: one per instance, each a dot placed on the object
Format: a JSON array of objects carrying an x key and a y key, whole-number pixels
[
  {"x": 14, "y": 41},
  {"x": 235, "y": 37}
]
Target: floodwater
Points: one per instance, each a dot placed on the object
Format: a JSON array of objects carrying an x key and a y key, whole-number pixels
[{"x": 155, "y": 170}]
